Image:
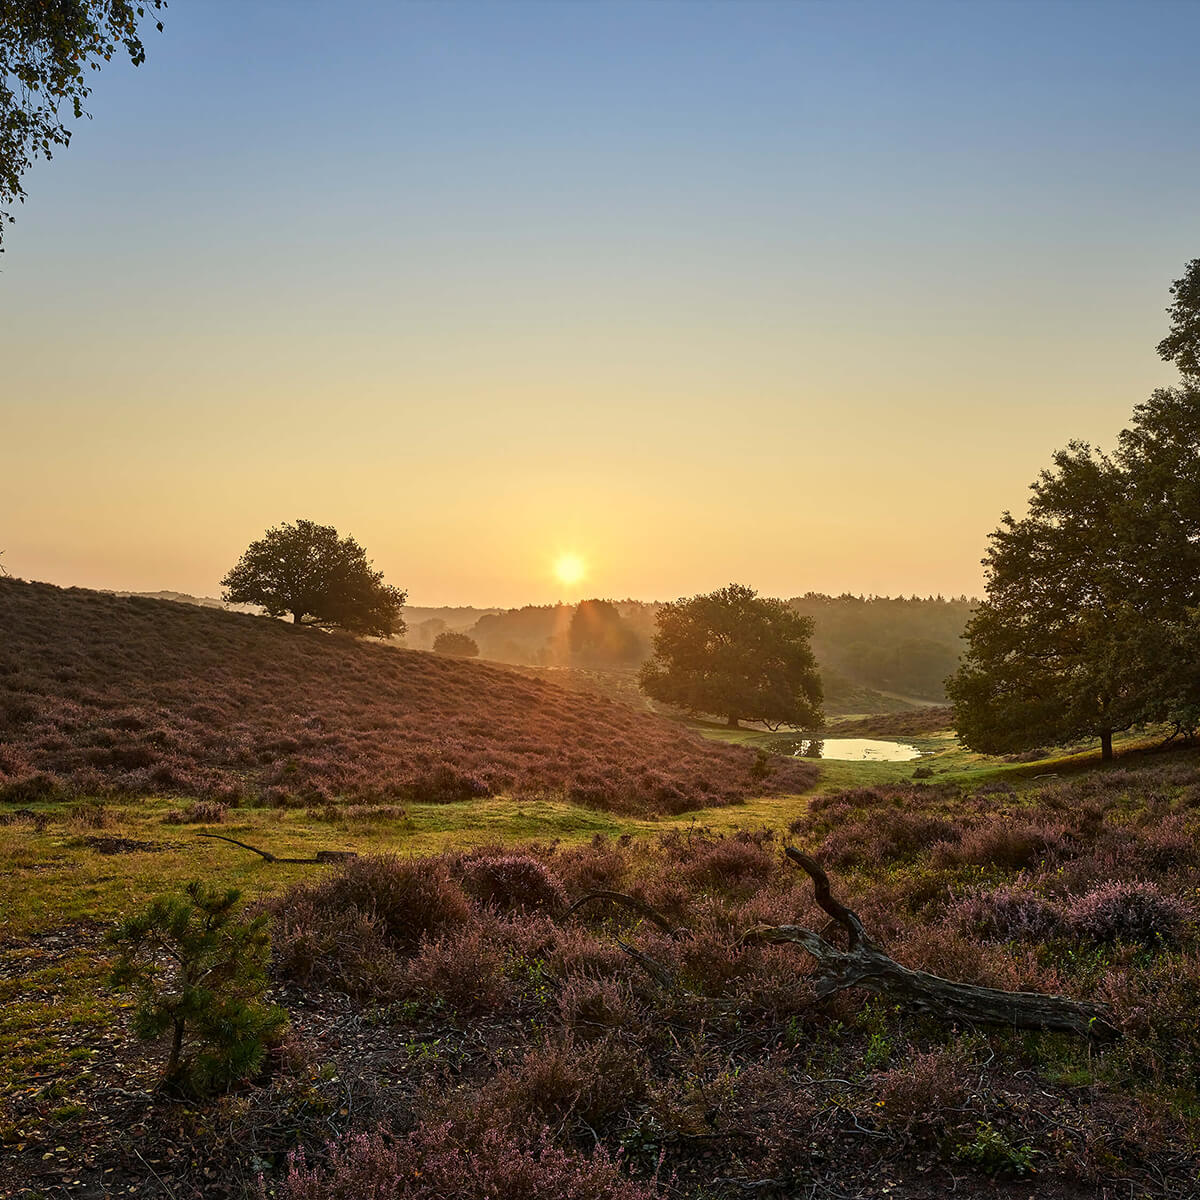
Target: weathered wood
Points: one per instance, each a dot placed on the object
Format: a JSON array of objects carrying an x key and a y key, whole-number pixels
[
  {"x": 865, "y": 965},
  {"x": 323, "y": 856}
]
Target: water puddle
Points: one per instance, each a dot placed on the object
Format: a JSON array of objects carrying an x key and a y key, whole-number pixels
[{"x": 854, "y": 750}]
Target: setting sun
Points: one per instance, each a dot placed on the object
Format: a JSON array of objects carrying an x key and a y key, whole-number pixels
[{"x": 569, "y": 569}]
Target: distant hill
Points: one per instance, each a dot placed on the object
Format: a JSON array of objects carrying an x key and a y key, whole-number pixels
[{"x": 102, "y": 694}]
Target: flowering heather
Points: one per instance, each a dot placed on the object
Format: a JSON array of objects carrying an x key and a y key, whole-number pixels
[
  {"x": 433, "y": 1164},
  {"x": 511, "y": 881},
  {"x": 1129, "y": 912},
  {"x": 105, "y": 695},
  {"x": 1008, "y": 913}
]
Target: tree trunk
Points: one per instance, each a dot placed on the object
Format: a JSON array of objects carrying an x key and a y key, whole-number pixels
[
  {"x": 731, "y": 722},
  {"x": 1106, "y": 751},
  {"x": 172, "y": 1068},
  {"x": 298, "y": 618}
]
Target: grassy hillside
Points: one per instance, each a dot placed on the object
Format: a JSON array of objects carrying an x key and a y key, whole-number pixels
[{"x": 103, "y": 695}]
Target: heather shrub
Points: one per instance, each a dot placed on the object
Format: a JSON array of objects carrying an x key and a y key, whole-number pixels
[
  {"x": 918, "y": 1095},
  {"x": 463, "y": 968},
  {"x": 436, "y": 1163},
  {"x": 884, "y": 837},
  {"x": 733, "y": 863},
  {"x": 600, "y": 866},
  {"x": 447, "y": 784},
  {"x": 410, "y": 899},
  {"x": 514, "y": 882},
  {"x": 314, "y": 943},
  {"x": 1129, "y": 912},
  {"x": 578, "y": 951},
  {"x": 200, "y": 812},
  {"x": 1008, "y": 843},
  {"x": 595, "y": 1005},
  {"x": 30, "y": 788},
  {"x": 1008, "y": 913},
  {"x": 560, "y": 1080}
]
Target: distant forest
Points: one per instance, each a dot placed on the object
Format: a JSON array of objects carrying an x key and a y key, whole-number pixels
[{"x": 903, "y": 646}]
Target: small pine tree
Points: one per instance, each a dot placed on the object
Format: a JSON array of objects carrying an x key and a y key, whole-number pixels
[{"x": 199, "y": 973}]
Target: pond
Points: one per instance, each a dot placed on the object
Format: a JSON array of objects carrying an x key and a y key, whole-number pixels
[{"x": 855, "y": 750}]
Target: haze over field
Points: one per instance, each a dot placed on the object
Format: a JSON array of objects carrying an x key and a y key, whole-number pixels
[{"x": 796, "y": 294}]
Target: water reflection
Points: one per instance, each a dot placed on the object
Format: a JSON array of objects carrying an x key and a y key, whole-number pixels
[{"x": 854, "y": 750}]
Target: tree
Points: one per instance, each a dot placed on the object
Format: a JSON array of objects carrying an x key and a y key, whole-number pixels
[
  {"x": 1092, "y": 618},
  {"x": 199, "y": 973},
  {"x": 458, "y": 644},
  {"x": 1054, "y": 651},
  {"x": 734, "y": 654},
  {"x": 598, "y": 633},
  {"x": 47, "y": 48},
  {"x": 317, "y": 577},
  {"x": 1182, "y": 345}
]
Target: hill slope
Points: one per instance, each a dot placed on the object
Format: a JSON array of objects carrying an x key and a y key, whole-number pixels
[{"x": 104, "y": 694}]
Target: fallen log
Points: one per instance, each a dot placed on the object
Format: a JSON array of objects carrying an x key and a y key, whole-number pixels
[
  {"x": 323, "y": 856},
  {"x": 864, "y": 964}
]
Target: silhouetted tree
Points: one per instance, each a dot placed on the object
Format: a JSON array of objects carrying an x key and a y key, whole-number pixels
[
  {"x": 1052, "y": 649},
  {"x": 308, "y": 571},
  {"x": 737, "y": 655},
  {"x": 458, "y": 644},
  {"x": 598, "y": 633},
  {"x": 1182, "y": 345},
  {"x": 47, "y": 48},
  {"x": 1092, "y": 617}
]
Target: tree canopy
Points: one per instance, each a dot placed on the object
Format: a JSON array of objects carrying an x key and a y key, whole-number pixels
[
  {"x": 1091, "y": 622},
  {"x": 599, "y": 634},
  {"x": 460, "y": 645},
  {"x": 1182, "y": 345},
  {"x": 309, "y": 572},
  {"x": 46, "y": 53},
  {"x": 734, "y": 654}
]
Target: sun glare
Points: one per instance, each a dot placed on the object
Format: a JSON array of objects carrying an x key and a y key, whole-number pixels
[{"x": 569, "y": 569}]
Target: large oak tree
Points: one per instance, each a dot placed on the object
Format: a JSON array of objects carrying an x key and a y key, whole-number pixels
[
  {"x": 736, "y": 655},
  {"x": 309, "y": 572}
]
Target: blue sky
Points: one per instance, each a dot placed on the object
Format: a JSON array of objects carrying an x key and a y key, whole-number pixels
[{"x": 798, "y": 294}]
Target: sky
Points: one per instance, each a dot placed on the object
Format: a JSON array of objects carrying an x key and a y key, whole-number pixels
[{"x": 798, "y": 295}]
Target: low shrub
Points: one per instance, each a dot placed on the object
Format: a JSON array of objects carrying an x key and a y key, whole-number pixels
[
  {"x": 410, "y": 899},
  {"x": 1008, "y": 913},
  {"x": 463, "y": 968},
  {"x": 514, "y": 882},
  {"x": 436, "y": 1163},
  {"x": 200, "y": 812},
  {"x": 1129, "y": 912},
  {"x": 919, "y": 1096}
]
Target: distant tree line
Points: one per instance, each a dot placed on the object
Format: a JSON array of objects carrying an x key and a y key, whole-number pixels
[
  {"x": 1091, "y": 622},
  {"x": 904, "y": 645}
]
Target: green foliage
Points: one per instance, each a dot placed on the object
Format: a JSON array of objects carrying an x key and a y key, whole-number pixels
[
  {"x": 460, "y": 645},
  {"x": 319, "y": 578},
  {"x": 1048, "y": 656},
  {"x": 992, "y": 1153},
  {"x": 599, "y": 634},
  {"x": 735, "y": 654},
  {"x": 198, "y": 973},
  {"x": 46, "y": 50},
  {"x": 1090, "y": 624},
  {"x": 1182, "y": 345}
]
